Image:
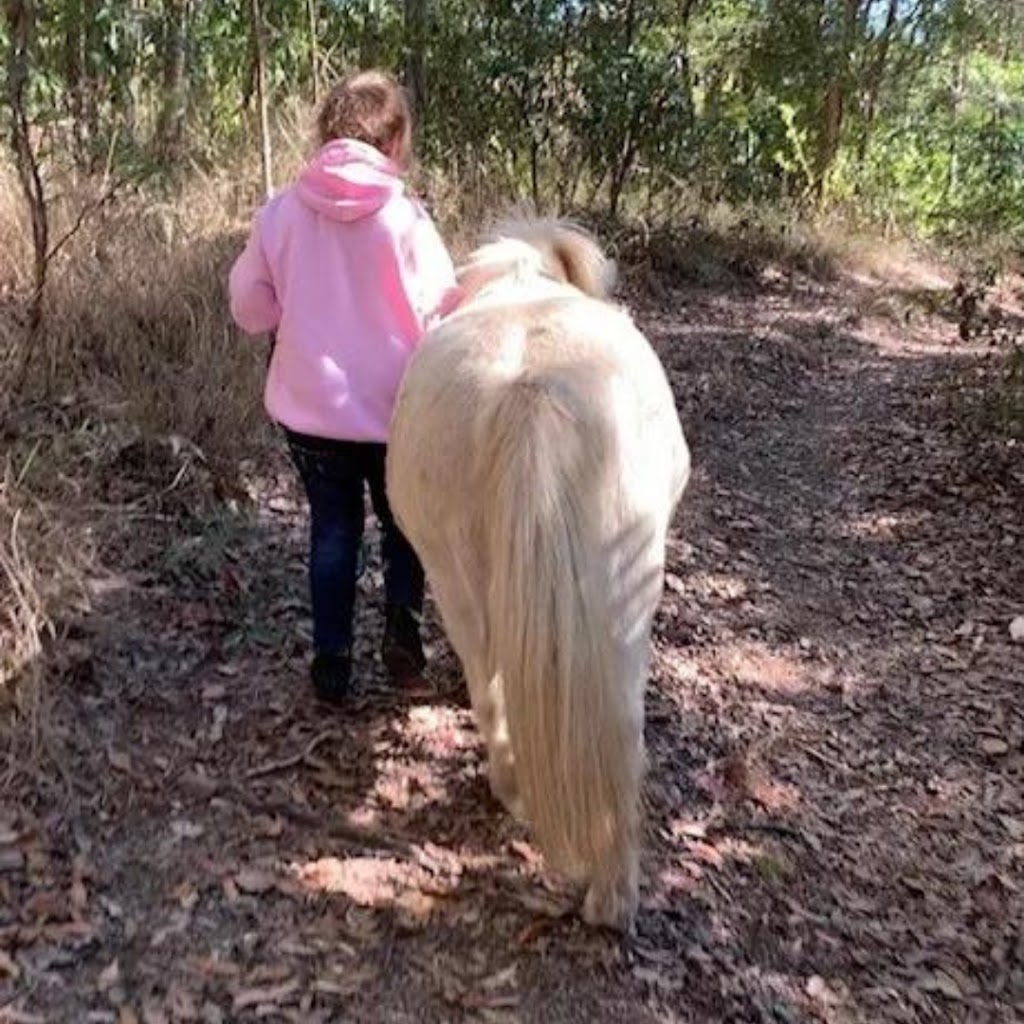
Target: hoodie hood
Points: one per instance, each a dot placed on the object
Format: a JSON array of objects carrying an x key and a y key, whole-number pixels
[{"x": 348, "y": 180}]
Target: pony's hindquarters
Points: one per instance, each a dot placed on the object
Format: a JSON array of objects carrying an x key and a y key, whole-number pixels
[
  {"x": 574, "y": 554},
  {"x": 535, "y": 461}
]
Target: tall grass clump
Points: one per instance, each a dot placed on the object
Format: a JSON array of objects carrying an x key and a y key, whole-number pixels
[{"x": 135, "y": 354}]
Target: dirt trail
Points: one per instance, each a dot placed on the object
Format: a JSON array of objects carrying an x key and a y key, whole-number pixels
[{"x": 835, "y": 727}]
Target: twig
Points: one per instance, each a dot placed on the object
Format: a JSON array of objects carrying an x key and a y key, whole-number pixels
[
  {"x": 768, "y": 827},
  {"x": 83, "y": 214},
  {"x": 818, "y": 756},
  {"x": 359, "y": 836},
  {"x": 290, "y": 762}
]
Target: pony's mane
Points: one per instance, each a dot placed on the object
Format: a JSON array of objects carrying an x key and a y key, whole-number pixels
[{"x": 526, "y": 247}]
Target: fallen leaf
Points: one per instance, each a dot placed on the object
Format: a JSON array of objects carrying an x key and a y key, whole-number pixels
[
  {"x": 109, "y": 976},
  {"x": 8, "y": 968},
  {"x": 11, "y": 859},
  {"x": 126, "y": 1015},
  {"x": 79, "y": 894},
  {"x": 186, "y": 895},
  {"x": 211, "y": 1013},
  {"x": 180, "y": 1003},
  {"x": 182, "y": 828},
  {"x": 268, "y": 828},
  {"x": 45, "y": 905},
  {"x": 153, "y": 1013},
  {"x": 220, "y": 717},
  {"x": 818, "y": 990},
  {"x": 656, "y": 978},
  {"x": 500, "y": 979},
  {"x": 690, "y": 829},
  {"x": 707, "y": 853},
  {"x": 526, "y": 852},
  {"x": 268, "y": 974},
  {"x": 255, "y": 881},
  {"x": 543, "y": 903},
  {"x": 345, "y": 983},
  {"x": 214, "y": 967},
  {"x": 1014, "y": 826},
  {"x": 941, "y": 983},
  {"x": 993, "y": 746},
  {"x": 414, "y": 909},
  {"x": 532, "y": 932},
  {"x": 488, "y": 1001},
  {"x": 1017, "y": 630},
  {"x": 263, "y": 996}
]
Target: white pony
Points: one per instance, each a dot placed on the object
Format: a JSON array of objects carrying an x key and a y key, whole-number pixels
[{"x": 535, "y": 462}]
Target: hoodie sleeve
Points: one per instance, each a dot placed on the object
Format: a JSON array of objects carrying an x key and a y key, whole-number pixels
[
  {"x": 254, "y": 305},
  {"x": 437, "y": 292}
]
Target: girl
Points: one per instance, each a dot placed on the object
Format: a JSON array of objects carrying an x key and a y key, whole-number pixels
[{"x": 349, "y": 270}]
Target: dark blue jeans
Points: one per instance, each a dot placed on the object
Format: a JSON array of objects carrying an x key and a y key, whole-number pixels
[{"x": 335, "y": 475}]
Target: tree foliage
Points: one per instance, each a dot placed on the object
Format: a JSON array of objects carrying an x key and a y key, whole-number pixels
[{"x": 907, "y": 111}]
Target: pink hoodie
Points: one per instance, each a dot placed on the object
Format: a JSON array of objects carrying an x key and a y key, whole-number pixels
[{"x": 350, "y": 271}]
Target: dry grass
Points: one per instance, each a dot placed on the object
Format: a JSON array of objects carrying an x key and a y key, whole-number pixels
[
  {"x": 42, "y": 561},
  {"x": 135, "y": 319},
  {"x": 136, "y": 354},
  {"x": 717, "y": 246},
  {"x": 23, "y": 614}
]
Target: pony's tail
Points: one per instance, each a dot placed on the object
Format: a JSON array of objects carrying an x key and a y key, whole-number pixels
[{"x": 545, "y": 456}]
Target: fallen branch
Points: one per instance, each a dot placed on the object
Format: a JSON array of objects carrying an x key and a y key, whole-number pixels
[{"x": 271, "y": 767}]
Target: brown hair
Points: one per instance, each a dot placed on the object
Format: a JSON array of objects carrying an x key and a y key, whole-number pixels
[{"x": 370, "y": 106}]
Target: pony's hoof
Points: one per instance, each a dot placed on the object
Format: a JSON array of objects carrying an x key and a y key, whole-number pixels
[
  {"x": 611, "y": 906},
  {"x": 507, "y": 794}
]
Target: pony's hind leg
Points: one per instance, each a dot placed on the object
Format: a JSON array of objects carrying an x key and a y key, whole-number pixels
[
  {"x": 462, "y": 613},
  {"x": 613, "y": 894},
  {"x": 614, "y": 891},
  {"x": 489, "y": 708}
]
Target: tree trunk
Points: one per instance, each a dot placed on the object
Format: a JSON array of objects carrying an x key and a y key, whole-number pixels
[
  {"x": 956, "y": 99},
  {"x": 91, "y": 79},
  {"x": 314, "y": 53},
  {"x": 170, "y": 126},
  {"x": 415, "y": 55},
  {"x": 266, "y": 157},
  {"x": 876, "y": 73},
  {"x": 624, "y": 165},
  {"x": 833, "y": 107},
  {"x": 630, "y": 26},
  {"x": 21, "y": 27},
  {"x": 131, "y": 89},
  {"x": 73, "y": 46}
]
